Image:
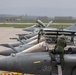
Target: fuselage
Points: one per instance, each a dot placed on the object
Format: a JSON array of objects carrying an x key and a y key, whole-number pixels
[{"x": 37, "y": 63}]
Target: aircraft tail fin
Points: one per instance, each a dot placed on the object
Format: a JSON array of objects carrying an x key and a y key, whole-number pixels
[
  {"x": 49, "y": 23},
  {"x": 40, "y": 23},
  {"x": 72, "y": 27}
]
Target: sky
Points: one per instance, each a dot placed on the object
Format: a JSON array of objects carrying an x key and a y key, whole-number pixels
[{"x": 50, "y": 8}]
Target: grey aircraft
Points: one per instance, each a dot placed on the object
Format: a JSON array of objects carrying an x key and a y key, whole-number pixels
[
  {"x": 27, "y": 36},
  {"x": 20, "y": 42},
  {"x": 34, "y": 29},
  {"x": 35, "y": 41},
  {"x": 54, "y": 31},
  {"x": 72, "y": 27},
  {"x": 12, "y": 49},
  {"x": 30, "y": 36},
  {"x": 39, "y": 63},
  {"x": 27, "y": 48},
  {"x": 38, "y": 47}
]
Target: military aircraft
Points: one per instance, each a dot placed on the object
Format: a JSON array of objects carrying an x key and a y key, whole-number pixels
[
  {"x": 27, "y": 48},
  {"x": 40, "y": 25},
  {"x": 38, "y": 63},
  {"x": 26, "y": 36},
  {"x": 30, "y": 36},
  {"x": 38, "y": 47},
  {"x": 20, "y": 42},
  {"x": 47, "y": 32},
  {"x": 56, "y": 32},
  {"x": 36, "y": 29},
  {"x": 72, "y": 27},
  {"x": 26, "y": 41}
]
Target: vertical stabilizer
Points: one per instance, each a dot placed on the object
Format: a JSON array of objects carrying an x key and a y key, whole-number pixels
[
  {"x": 41, "y": 23},
  {"x": 49, "y": 23},
  {"x": 72, "y": 27}
]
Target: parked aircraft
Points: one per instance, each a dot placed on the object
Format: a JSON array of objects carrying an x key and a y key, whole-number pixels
[
  {"x": 41, "y": 62},
  {"x": 72, "y": 27},
  {"x": 56, "y": 32},
  {"x": 36, "y": 29},
  {"x": 38, "y": 63},
  {"x": 24, "y": 42},
  {"x": 38, "y": 47},
  {"x": 27, "y": 48},
  {"x": 23, "y": 36},
  {"x": 45, "y": 30},
  {"x": 20, "y": 42}
]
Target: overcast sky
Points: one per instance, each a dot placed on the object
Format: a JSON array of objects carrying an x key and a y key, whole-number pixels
[{"x": 39, "y": 7}]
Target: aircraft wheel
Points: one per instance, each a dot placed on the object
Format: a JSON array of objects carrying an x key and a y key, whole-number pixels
[{"x": 74, "y": 72}]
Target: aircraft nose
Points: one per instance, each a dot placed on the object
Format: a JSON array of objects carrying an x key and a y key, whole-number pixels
[
  {"x": 3, "y": 63},
  {"x": 40, "y": 63},
  {"x": 8, "y": 64}
]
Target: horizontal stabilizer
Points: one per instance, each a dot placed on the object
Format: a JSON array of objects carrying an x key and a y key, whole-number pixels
[
  {"x": 9, "y": 46},
  {"x": 72, "y": 27},
  {"x": 12, "y": 47},
  {"x": 14, "y": 38},
  {"x": 5, "y": 45},
  {"x": 21, "y": 34},
  {"x": 18, "y": 40}
]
